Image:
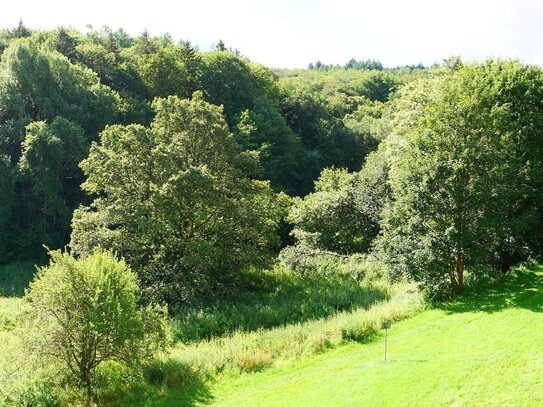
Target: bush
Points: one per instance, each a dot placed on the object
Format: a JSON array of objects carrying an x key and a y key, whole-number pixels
[
  {"x": 338, "y": 216},
  {"x": 39, "y": 394},
  {"x": 172, "y": 373},
  {"x": 83, "y": 313},
  {"x": 113, "y": 379}
]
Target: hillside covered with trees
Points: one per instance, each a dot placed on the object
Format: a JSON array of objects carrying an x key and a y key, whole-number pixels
[{"x": 228, "y": 209}]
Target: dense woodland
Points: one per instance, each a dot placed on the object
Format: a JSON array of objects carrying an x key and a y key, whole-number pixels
[
  {"x": 196, "y": 165},
  {"x": 62, "y": 91}
]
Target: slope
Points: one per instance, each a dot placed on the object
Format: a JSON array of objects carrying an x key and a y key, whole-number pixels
[{"x": 486, "y": 348}]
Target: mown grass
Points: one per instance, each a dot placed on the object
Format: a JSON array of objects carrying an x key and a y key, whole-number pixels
[{"x": 482, "y": 349}]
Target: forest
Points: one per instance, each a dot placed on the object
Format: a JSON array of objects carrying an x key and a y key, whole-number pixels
[{"x": 204, "y": 196}]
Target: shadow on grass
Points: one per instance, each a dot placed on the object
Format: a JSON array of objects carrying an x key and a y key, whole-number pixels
[
  {"x": 15, "y": 277},
  {"x": 522, "y": 288}
]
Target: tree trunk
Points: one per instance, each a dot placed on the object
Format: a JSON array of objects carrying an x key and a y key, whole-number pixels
[{"x": 459, "y": 270}]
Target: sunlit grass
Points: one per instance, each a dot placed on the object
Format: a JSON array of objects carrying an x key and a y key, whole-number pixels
[
  {"x": 483, "y": 349},
  {"x": 275, "y": 298},
  {"x": 186, "y": 373}
]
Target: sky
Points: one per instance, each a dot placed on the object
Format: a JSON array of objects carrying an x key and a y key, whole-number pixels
[{"x": 291, "y": 34}]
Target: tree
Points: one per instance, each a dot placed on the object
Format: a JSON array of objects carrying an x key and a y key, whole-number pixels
[
  {"x": 84, "y": 312},
  {"x": 173, "y": 200},
  {"x": 6, "y": 201},
  {"x": 264, "y": 129},
  {"x": 163, "y": 72},
  {"x": 50, "y": 157},
  {"x": 66, "y": 42},
  {"x": 337, "y": 217},
  {"x": 37, "y": 83},
  {"x": 227, "y": 80},
  {"x": 465, "y": 171}
]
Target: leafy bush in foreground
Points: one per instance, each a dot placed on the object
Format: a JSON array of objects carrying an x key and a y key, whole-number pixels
[{"x": 83, "y": 313}]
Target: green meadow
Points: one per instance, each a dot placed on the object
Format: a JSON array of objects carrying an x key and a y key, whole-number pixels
[{"x": 483, "y": 349}]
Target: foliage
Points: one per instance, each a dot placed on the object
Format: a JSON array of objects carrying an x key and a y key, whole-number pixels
[
  {"x": 336, "y": 217},
  {"x": 299, "y": 123},
  {"x": 174, "y": 201},
  {"x": 231, "y": 81},
  {"x": 465, "y": 174},
  {"x": 83, "y": 313},
  {"x": 320, "y": 264},
  {"x": 6, "y": 197},
  {"x": 263, "y": 129},
  {"x": 68, "y": 106},
  {"x": 48, "y": 167},
  {"x": 15, "y": 277}
]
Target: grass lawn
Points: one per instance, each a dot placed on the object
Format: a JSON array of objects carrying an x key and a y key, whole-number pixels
[{"x": 485, "y": 349}]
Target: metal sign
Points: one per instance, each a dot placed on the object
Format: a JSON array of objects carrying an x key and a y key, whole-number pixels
[{"x": 386, "y": 326}]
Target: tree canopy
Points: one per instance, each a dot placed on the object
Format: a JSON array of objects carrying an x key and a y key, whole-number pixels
[
  {"x": 174, "y": 200},
  {"x": 465, "y": 174}
]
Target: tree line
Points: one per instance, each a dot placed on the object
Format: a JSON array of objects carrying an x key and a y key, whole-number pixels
[
  {"x": 454, "y": 188},
  {"x": 59, "y": 89},
  {"x": 195, "y": 165}
]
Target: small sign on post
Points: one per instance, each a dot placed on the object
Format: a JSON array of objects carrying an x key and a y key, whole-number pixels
[{"x": 386, "y": 326}]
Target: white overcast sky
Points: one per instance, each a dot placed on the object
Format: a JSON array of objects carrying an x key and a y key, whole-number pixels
[{"x": 291, "y": 33}]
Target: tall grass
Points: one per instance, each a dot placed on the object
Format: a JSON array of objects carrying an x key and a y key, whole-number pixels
[
  {"x": 253, "y": 351},
  {"x": 280, "y": 317},
  {"x": 10, "y": 358},
  {"x": 279, "y": 297}
]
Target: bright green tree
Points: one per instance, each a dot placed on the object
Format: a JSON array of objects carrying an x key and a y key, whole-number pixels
[
  {"x": 49, "y": 163},
  {"x": 465, "y": 173},
  {"x": 337, "y": 217},
  {"x": 84, "y": 312}
]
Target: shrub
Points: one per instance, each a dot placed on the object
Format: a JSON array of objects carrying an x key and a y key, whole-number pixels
[
  {"x": 39, "y": 394},
  {"x": 338, "y": 216},
  {"x": 172, "y": 373},
  {"x": 83, "y": 312}
]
